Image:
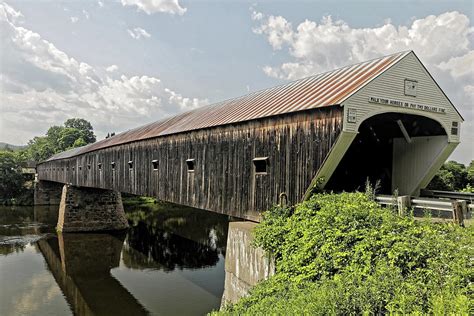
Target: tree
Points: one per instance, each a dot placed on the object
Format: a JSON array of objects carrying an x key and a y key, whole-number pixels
[
  {"x": 75, "y": 133},
  {"x": 11, "y": 179},
  {"x": 84, "y": 126},
  {"x": 40, "y": 148},
  {"x": 79, "y": 143},
  {"x": 470, "y": 173},
  {"x": 53, "y": 134},
  {"x": 68, "y": 137},
  {"x": 453, "y": 176}
]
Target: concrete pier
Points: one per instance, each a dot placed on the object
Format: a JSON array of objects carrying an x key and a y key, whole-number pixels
[
  {"x": 90, "y": 209},
  {"x": 245, "y": 265}
]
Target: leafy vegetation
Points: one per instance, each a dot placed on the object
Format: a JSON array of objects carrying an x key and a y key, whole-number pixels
[
  {"x": 11, "y": 179},
  {"x": 339, "y": 254},
  {"x": 131, "y": 199},
  {"x": 453, "y": 176},
  {"x": 75, "y": 133}
]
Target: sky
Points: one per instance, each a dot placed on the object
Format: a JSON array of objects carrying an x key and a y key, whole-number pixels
[{"x": 124, "y": 63}]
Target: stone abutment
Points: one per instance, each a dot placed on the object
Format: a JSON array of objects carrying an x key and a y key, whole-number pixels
[{"x": 245, "y": 265}]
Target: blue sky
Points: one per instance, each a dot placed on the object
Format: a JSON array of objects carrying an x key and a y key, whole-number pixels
[{"x": 124, "y": 63}]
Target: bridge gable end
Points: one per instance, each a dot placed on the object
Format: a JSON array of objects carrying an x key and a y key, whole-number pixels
[{"x": 406, "y": 87}]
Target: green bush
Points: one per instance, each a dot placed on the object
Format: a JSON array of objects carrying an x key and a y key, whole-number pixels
[{"x": 341, "y": 254}]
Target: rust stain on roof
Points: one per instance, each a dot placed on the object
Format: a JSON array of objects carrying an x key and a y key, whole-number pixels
[{"x": 326, "y": 89}]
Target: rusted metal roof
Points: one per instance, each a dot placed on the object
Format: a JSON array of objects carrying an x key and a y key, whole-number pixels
[{"x": 325, "y": 89}]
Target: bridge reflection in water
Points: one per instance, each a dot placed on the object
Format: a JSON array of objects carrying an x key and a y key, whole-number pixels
[
  {"x": 81, "y": 265},
  {"x": 167, "y": 257}
]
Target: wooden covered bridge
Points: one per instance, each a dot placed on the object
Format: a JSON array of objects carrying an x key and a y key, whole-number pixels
[{"x": 385, "y": 119}]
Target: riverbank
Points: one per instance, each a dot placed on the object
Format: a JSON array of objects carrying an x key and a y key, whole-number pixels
[
  {"x": 341, "y": 254},
  {"x": 130, "y": 200},
  {"x": 25, "y": 198}
]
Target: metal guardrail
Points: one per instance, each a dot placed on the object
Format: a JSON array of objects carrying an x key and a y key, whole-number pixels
[
  {"x": 456, "y": 204},
  {"x": 422, "y": 203},
  {"x": 469, "y": 197}
]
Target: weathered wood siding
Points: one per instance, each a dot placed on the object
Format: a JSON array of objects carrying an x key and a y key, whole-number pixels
[{"x": 224, "y": 179}]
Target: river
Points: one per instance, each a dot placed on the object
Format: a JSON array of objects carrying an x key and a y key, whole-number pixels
[{"x": 169, "y": 262}]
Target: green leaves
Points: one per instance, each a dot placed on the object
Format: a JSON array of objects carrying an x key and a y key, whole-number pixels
[
  {"x": 453, "y": 176},
  {"x": 75, "y": 133},
  {"x": 344, "y": 254},
  {"x": 11, "y": 179}
]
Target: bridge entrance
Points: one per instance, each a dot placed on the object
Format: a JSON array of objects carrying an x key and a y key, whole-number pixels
[{"x": 394, "y": 149}]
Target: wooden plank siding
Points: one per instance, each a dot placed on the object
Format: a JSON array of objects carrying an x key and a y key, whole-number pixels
[{"x": 224, "y": 178}]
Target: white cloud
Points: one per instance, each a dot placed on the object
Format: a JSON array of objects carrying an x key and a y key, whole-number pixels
[
  {"x": 316, "y": 47},
  {"x": 41, "y": 86},
  {"x": 443, "y": 42},
  {"x": 153, "y": 6},
  {"x": 138, "y": 33},
  {"x": 7, "y": 11},
  {"x": 86, "y": 14},
  {"x": 74, "y": 19},
  {"x": 277, "y": 29},
  {"x": 100, "y": 4},
  {"x": 112, "y": 68},
  {"x": 460, "y": 66}
]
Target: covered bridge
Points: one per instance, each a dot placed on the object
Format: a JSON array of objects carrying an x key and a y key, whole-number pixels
[{"x": 385, "y": 119}]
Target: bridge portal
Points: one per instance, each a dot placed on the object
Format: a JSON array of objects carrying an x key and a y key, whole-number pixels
[{"x": 397, "y": 150}]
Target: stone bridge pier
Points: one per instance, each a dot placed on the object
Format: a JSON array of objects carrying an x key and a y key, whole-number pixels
[
  {"x": 48, "y": 192},
  {"x": 83, "y": 209}
]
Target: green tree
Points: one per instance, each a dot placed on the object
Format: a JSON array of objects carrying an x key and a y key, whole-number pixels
[
  {"x": 54, "y": 134},
  {"x": 75, "y": 133},
  {"x": 453, "y": 176},
  {"x": 40, "y": 148},
  {"x": 87, "y": 132},
  {"x": 79, "y": 143},
  {"x": 11, "y": 179},
  {"x": 68, "y": 137},
  {"x": 470, "y": 173}
]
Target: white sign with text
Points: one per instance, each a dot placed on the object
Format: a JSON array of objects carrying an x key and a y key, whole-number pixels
[{"x": 407, "y": 105}]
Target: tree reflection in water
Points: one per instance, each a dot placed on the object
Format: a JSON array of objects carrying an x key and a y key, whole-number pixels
[{"x": 166, "y": 237}]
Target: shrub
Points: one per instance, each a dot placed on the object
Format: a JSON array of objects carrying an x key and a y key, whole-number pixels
[{"x": 341, "y": 254}]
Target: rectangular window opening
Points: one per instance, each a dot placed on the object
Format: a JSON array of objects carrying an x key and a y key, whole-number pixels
[
  {"x": 99, "y": 165},
  {"x": 190, "y": 164},
  {"x": 454, "y": 128},
  {"x": 130, "y": 164},
  {"x": 113, "y": 165},
  {"x": 89, "y": 167},
  {"x": 260, "y": 164},
  {"x": 80, "y": 168},
  {"x": 155, "y": 164}
]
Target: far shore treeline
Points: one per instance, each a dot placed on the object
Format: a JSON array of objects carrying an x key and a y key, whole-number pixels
[{"x": 17, "y": 187}]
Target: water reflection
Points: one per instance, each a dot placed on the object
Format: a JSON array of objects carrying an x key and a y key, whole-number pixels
[
  {"x": 170, "y": 262},
  {"x": 81, "y": 264},
  {"x": 169, "y": 238},
  {"x": 20, "y": 226}
]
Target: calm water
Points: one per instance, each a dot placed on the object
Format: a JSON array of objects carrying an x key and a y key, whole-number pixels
[{"x": 170, "y": 262}]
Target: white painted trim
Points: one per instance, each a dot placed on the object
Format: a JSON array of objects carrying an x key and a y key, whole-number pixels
[
  {"x": 360, "y": 120},
  {"x": 332, "y": 160},
  {"x": 435, "y": 166}
]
